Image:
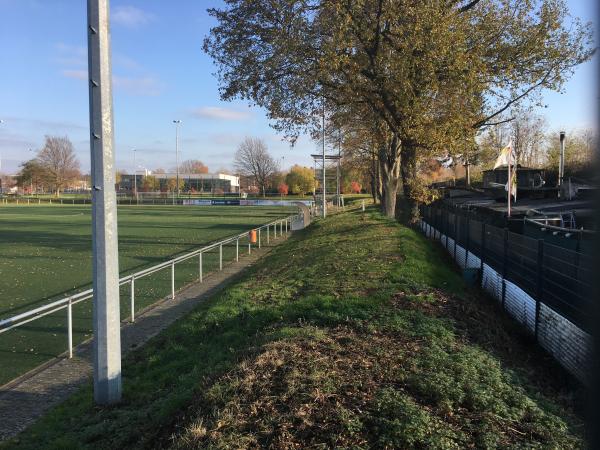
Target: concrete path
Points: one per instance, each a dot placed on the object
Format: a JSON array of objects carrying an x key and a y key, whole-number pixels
[{"x": 25, "y": 399}]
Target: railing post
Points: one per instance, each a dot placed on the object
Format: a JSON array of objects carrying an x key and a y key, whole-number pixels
[
  {"x": 237, "y": 249},
  {"x": 268, "y": 234},
  {"x": 539, "y": 284},
  {"x": 70, "y": 327},
  {"x": 259, "y": 238},
  {"x": 173, "y": 280},
  {"x": 249, "y": 247},
  {"x": 200, "y": 266},
  {"x": 220, "y": 256},
  {"x": 132, "y": 299}
]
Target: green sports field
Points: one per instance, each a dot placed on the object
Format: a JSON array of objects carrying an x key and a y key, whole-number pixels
[{"x": 45, "y": 253}]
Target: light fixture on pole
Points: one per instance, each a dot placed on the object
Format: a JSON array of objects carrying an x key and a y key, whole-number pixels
[{"x": 177, "y": 122}]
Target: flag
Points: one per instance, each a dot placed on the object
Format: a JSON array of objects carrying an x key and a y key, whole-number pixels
[
  {"x": 504, "y": 156},
  {"x": 513, "y": 183}
]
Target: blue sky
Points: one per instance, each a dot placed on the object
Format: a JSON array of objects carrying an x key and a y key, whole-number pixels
[{"x": 160, "y": 74}]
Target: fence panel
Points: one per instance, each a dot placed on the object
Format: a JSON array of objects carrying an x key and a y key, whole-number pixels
[
  {"x": 494, "y": 247},
  {"x": 522, "y": 262},
  {"x": 568, "y": 284},
  {"x": 545, "y": 287}
]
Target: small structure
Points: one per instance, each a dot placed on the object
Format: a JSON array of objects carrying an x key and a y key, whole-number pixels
[{"x": 530, "y": 183}]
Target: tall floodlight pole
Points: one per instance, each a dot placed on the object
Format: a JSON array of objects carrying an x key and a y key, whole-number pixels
[
  {"x": 105, "y": 261},
  {"x": 324, "y": 201},
  {"x": 177, "y": 122},
  {"x": 135, "y": 177},
  {"x": 561, "y": 163},
  {"x": 1, "y": 122}
]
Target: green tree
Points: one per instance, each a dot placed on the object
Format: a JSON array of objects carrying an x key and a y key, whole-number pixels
[
  {"x": 172, "y": 184},
  {"x": 32, "y": 175},
  {"x": 301, "y": 180},
  {"x": 150, "y": 184},
  {"x": 426, "y": 74}
]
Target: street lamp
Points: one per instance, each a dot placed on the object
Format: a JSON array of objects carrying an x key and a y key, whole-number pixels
[
  {"x": 177, "y": 122},
  {"x": 135, "y": 177},
  {"x": 31, "y": 178}
]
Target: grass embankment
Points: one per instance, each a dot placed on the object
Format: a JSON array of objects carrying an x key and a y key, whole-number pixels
[{"x": 356, "y": 333}]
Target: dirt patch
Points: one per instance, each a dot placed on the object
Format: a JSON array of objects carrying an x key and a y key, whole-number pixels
[{"x": 351, "y": 388}]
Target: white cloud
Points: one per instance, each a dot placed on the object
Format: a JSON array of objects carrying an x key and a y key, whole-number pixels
[
  {"x": 130, "y": 16},
  {"x": 219, "y": 113}
]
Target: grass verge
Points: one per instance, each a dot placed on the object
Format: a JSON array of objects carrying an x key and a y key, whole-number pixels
[{"x": 356, "y": 333}]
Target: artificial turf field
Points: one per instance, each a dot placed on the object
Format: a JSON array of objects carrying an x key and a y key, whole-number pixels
[{"x": 45, "y": 253}]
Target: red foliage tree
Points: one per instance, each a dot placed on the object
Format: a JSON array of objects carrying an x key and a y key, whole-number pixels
[
  {"x": 355, "y": 187},
  {"x": 283, "y": 189}
]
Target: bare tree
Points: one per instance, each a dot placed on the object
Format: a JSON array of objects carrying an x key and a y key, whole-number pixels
[
  {"x": 193, "y": 166},
  {"x": 58, "y": 158},
  {"x": 253, "y": 160},
  {"x": 528, "y": 133}
]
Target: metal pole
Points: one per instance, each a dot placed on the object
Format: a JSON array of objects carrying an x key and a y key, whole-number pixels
[
  {"x": 561, "y": 163},
  {"x": 134, "y": 178},
  {"x": 509, "y": 183},
  {"x": 221, "y": 257},
  {"x": 173, "y": 281},
  {"x": 337, "y": 173},
  {"x": 107, "y": 333},
  {"x": 324, "y": 201},
  {"x": 132, "y": 299},
  {"x": 237, "y": 249},
  {"x": 70, "y": 327},
  {"x": 268, "y": 234},
  {"x": 200, "y": 266},
  {"x": 177, "y": 122},
  {"x": 259, "y": 238}
]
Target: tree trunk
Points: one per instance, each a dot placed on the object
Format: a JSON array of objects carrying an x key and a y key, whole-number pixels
[
  {"x": 374, "y": 175},
  {"x": 389, "y": 169},
  {"x": 409, "y": 179}
]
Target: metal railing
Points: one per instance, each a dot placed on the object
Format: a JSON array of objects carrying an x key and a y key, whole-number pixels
[{"x": 68, "y": 302}]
